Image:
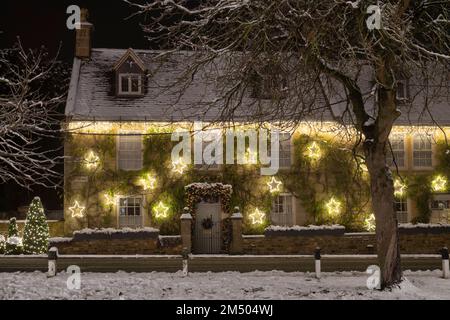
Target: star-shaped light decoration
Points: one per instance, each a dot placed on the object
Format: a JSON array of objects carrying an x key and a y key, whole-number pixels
[
  {"x": 274, "y": 185},
  {"x": 313, "y": 151},
  {"x": 257, "y": 217},
  {"x": 161, "y": 210},
  {"x": 148, "y": 183},
  {"x": 77, "y": 210},
  {"x": 110, "y": 200},
  {"x": 333, "y": 207},
  {"x": 179, "y": 166},
  {"x": 370, "y": 223},
  {"x": 439, "y": 184},
  {"x": 91, "y": 160},
  {"x": 399, "y": 188}
]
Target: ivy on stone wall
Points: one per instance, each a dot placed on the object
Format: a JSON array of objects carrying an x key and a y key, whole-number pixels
[{"x": 336, "y": 173}]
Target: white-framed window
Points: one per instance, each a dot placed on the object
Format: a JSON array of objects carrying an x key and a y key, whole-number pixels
[
  {"x": 282, "y": 212},
  {"x": 402, "y": 92},
  {"x": 397, "y": 142},
  {"x": 401, "y": 208},
  {"x": 422, "y": 151},
  {"x": 130, "y": 212},
  {"x": 285, "y": 150},
  {"x": 129, "y": 152},
  {"x": 130, "y": 84}
]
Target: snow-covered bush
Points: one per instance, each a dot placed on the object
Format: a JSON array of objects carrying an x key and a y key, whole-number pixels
[
  {"x": 14, "y": 245},
  {"x": 2, "y": 244}
]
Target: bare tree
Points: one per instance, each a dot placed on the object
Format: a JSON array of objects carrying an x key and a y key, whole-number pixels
[
  {"x": 324, "y": 49},
  {"x": 32, "y": 87}
]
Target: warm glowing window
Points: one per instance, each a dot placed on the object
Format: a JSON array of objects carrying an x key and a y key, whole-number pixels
[
  {"x": 401, "y": 208},
  {"x": 130, "y": 152},
  {"x": 422, "y": 151},
  {"x": 282, "y": 210},
  {"x": 285, "y": 150},
  {"x": 397, "y": 153},
  {"x": 130, "y": 212}
]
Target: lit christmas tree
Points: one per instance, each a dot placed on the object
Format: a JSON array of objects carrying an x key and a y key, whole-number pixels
[
  {"x": 13, "y": 230},
  {"x": 35, "y": 233}
]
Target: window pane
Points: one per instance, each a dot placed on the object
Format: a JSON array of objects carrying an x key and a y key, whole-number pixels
[
  {"x": 124, "y": 84},
  {"x": 135, "y": 84},
  {"x": 422, "y": 154},
  {"x": 285, "y": 150},
  {"x": 398, "y": 151},
  {"x": 130, "y": 152},
  {"x": 282, "y": 211}
]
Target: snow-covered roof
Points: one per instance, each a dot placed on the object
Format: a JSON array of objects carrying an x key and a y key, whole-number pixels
[{"x": 92, "y": 97}]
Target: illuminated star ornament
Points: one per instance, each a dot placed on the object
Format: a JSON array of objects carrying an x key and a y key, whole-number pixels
[
  {"x": 313, "y": 151},
  {"x": 257, "y": 217},
  {"x": 148, "y": 183},
  {"x": 370, "y": 223},
  {"x": 161, "y": 210},
  {"x": 274, "y": 185},
  {"x": 110, "y": 200},
  {"x": 399, "y": 188},
  {"x": 439, "y": 184},
  {"x": 91, "y": 160},
  {"x": 333, "y": 207},
  {"x": 179, "y": 166},
  {"x": 77, "y": 210}
]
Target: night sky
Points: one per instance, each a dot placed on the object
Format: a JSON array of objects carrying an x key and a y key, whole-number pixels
[{"x": 43, "y": 23}]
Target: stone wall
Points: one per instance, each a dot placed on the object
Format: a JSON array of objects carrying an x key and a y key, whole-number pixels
[
  {"x": 121, "y": 243},
  {"x": 56, "y": 228},
  {"x": 412, "y": 241}
]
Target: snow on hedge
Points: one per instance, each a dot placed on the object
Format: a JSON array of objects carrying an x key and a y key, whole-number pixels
[
  {"x": 305, "y": 228},
  {"x": 59, "y": 240},
  {"x": 205, "y": 185},
  {"x": 112, "y": 231},
  {"x": 422, "y": 225}
]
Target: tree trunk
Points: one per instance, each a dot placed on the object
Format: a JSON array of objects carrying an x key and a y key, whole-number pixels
[{"x": 386, "y": 218}]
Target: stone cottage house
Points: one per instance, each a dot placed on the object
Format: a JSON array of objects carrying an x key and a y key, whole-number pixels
[{"x": 122, "y": 108}]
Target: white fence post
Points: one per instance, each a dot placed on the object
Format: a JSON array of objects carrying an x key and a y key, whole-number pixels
[
  {"x": 317, "y": 262},
  {"x": 52, "y": 257},
  {"x": 445, "y": 266}
]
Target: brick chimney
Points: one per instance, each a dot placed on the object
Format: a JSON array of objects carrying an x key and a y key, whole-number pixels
[{"x": 83, "y": 36}]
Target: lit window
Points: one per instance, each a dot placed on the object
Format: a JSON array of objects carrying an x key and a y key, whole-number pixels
[
  {"x": 422, "y": 151},
  {"x": 398, "y": 151},
  {"x": 130, "y": 152},
  {"x": 130, "y": 212},
  {"x": 285, "y": 150},
  {"x": 401, "y": 208},
  {"x": 130, "y": 84},
  {"x": 282, "y": 210}
]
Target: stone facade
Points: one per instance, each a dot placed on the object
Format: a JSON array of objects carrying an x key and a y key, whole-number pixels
[
  {"x": 419, "y": 242},
  {"x": 126, "y": 244}
]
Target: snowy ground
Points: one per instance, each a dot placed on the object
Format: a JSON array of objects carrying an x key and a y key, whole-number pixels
[{"x": 228, "y": 285}]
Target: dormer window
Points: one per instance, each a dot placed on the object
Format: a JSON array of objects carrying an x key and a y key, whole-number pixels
[
  {"x": 130, "y": 84},
  {"x": 130, "y": 73}
]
